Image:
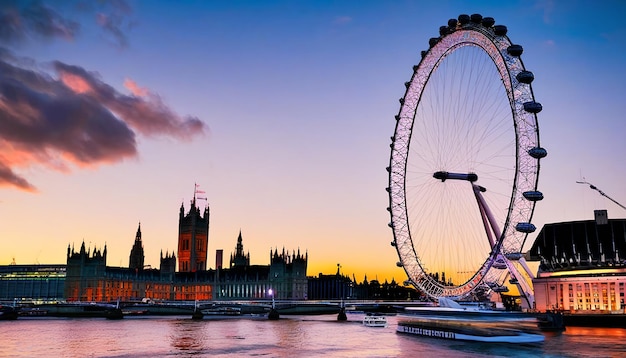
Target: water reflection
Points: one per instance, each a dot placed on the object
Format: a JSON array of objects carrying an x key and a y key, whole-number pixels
[
  {"x": 188, "y": 336},
  {"x": 287, "y": 337}
]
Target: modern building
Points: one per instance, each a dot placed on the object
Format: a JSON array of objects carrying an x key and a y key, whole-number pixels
[
  {"x": 32, "y": 282},
  {"x": 582, "y": 266}
]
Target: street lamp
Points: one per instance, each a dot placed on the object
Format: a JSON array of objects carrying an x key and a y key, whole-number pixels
[
  {"x": 273, "y": 314},
  {"x": 271, "y": 293}
]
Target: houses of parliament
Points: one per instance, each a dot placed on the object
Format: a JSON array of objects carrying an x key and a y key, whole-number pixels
[{"x": 86, "y": 277}]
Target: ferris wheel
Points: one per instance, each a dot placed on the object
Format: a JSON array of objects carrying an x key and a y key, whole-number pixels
[{"x": 464, "y": 161}]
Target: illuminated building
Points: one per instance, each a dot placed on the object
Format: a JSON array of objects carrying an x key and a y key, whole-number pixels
[
  {"x": 193, "y": 238},
  {"x": 582, "y": 267},
  {"x": 86, "y": 277},
  {"x": 285, "y": 276},
  {"x": 32, "y": 282}
]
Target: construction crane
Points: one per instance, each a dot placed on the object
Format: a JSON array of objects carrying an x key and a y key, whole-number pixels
[{"x": 601, "y": 193}]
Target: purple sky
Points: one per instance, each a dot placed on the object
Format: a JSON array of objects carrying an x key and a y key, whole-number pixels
[{"x": 280, "y": 110}]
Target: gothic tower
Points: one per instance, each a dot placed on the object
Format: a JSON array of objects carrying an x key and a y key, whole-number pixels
[
  {"x": 136, "y": 253},
  {"x": 239, "y": 259},
  {"x": 193, "y": 238}
]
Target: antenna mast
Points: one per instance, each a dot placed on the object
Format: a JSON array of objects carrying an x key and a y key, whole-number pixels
[{"x": 601, "y": 193}]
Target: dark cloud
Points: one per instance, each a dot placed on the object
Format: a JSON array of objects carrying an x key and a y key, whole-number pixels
[
  {"x": 8, "y": 177},
  {"x": 66, "y": 116},
  {"x": 145, "y": 113},
  {"x": 22, "y": 19},
  {"x": 112, "y": 25},
  {"x": 74, "y": 119}
]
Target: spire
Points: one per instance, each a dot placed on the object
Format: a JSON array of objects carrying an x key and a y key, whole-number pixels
[
  {"x": 239, "y": 248},
  {"x": 138, "y": 236}
]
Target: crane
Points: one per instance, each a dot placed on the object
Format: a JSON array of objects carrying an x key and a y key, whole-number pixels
[{"x": 601, "y": 192}]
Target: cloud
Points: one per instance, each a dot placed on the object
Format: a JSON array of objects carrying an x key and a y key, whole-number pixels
[
  {"x": 20, "y": 20},
  {"x": 62, "y": 116},
  {"x": 24, "y": 20},
  {"x": 74, "y": 119}
]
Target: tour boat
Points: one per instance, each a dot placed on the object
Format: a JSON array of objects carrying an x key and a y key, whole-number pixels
[
  {"x": 450, "y": 320},
  {"x": 469, "y": 331}
]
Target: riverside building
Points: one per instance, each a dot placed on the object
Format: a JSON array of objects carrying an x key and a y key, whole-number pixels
[
  {"x": 582, "y": 266},
  {"x": 86, "y": 276}
]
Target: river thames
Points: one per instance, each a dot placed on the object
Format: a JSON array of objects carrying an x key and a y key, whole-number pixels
[{"x": 301, "y": 336}]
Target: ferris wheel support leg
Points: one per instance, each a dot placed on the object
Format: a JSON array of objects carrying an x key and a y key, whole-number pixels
[
  {"x": 522, "y": 284},
  {"x": 486, "y": 215},
  {"x": 522, "y": 262},
  {"x": 488, "y": 231}
]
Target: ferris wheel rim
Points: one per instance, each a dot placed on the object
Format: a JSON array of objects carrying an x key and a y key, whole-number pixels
[{"x": 497, "y": 45}]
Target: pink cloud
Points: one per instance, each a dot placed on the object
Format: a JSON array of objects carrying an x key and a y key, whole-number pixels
[{"x": 75, "y": 119}]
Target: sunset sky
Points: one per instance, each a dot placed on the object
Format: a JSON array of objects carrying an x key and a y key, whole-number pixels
[{"x": 281, "y": 111}]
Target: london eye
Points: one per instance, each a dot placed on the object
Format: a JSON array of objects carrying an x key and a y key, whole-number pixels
[{"x": 464, "y": 163}]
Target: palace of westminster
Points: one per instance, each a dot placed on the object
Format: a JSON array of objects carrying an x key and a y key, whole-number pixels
[{"x": 86, "y": 277}]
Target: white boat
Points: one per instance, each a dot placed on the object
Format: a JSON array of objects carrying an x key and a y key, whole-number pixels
[
  {"x": 450, "y": 320},
  {"x": 375, "y": 321},
  {"x": 470, "y": 331}
]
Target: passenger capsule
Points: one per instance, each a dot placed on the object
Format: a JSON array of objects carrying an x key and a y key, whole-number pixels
[
  {"x": 538, "y": 152},
  {"x": 388, "y": 189},
  {"x": 397, "y": 117},
  {"x": 488, "y": 21},
  {"x": 433, "y": 41},
  {"x": 388, "y": 169},
  {"x": 390, "y": 224},
  {"x": 444, "y": 30},
  {"x": 514, "y": 256},
  {"x": 500, "y": 289},
  {"x": 389, "y": 209},
  {"x": 533, "y": 195},
  {"x": 525, "y": 77},
  {"x": 499, "y": 264},
  {"x": 476, "y": 18},
  {"x": 464, "y": 19},
  {"x": 452, "y": 23},
  {"x": 407, "y": 84},
  {"x": 416, "y": 66},
  {"x": 423, "y": 53},
  {"x": 402, "y": 101},
  {"x": 525, "y": 227},
  {"x": 500, "y": 30},
  {"x": 393, "y": 243},
  {"x": 399, "y": 264},
  {"x": 515, "y": 50},
  {"x": 533, "y": 107}
]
